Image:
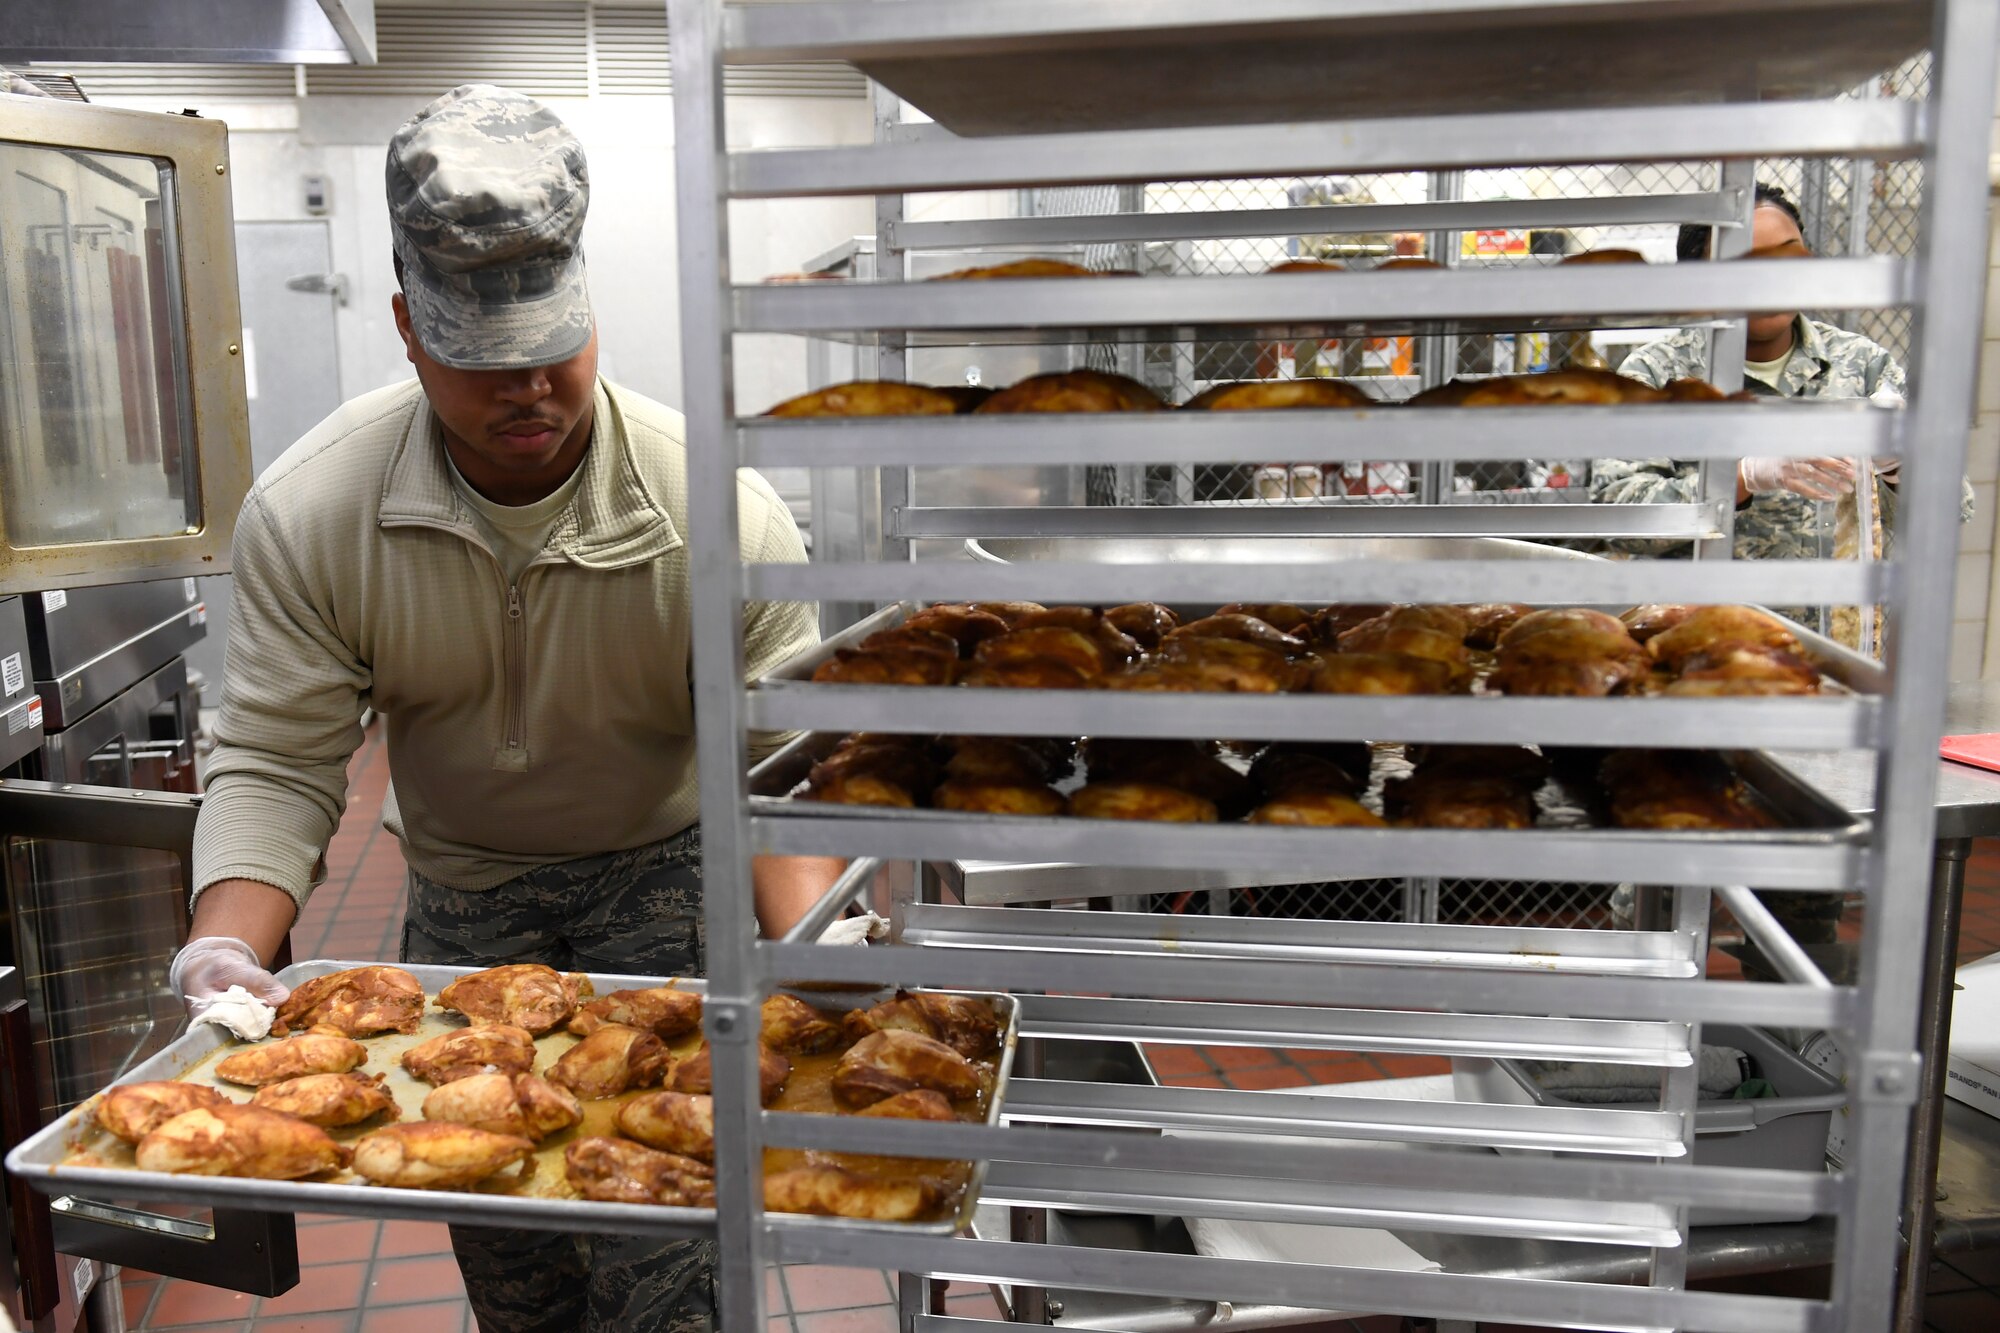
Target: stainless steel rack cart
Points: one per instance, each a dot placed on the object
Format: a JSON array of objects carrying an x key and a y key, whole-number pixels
[{"x": 1092, "y": 91}]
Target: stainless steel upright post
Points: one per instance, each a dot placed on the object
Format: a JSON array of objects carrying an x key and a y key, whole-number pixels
[
  {"x": 1725, "y": 361},
  {"x": 1951, "y": 243},
  {"x": 1437, "y": 356},
  {"x": 715, "y": 579},
  {"x": 891, "y": 354},
  {"x": 1933, "y": 1035}
]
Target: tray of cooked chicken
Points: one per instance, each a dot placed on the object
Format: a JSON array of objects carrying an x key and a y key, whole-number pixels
[
  {"x": 522, "y": 1096},
  {"x": 1651, "y": 650}
]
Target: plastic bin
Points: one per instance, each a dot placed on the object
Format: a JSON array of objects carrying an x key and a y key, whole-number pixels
[{"x": 1786, "y": 1132}]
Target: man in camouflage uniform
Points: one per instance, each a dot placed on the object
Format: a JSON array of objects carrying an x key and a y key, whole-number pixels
[
  {"x": 1777, "y": 500},
  {"x": 490, "y": 556}
]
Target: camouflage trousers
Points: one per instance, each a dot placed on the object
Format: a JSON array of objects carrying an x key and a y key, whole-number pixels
[{"x": 634, "y": 911}]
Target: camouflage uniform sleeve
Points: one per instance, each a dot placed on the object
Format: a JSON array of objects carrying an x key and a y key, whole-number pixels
[
  {"x": 1887, "y": 373},
  {"x": 1650, "y": 364},
  {"x": 1639, "y": 481}
]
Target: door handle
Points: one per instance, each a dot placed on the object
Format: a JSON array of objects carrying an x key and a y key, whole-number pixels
[
  {"x": 20, "y": 1116},
  {"x": 320, "y": 284}
]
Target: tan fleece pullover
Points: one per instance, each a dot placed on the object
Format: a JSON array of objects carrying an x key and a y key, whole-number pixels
[{"x": 527, "y": 724}]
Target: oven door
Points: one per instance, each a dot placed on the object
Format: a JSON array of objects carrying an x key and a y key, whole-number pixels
[{"x": 58, "y": 1242}]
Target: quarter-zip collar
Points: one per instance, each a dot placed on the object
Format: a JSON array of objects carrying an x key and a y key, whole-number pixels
[{"x": 614, "y": 521}]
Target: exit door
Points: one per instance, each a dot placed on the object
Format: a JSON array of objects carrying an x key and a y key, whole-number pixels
[{"x": 291, "y": 369}]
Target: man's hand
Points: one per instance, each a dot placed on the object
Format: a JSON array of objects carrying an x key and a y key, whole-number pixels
[
  {"x": 238, "y": 925},
  {"x": 1814, "y": 478},
  {"x": 207, "y": 967}
]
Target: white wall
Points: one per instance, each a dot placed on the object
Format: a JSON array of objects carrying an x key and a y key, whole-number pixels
[{"x": 630, "y": 239}]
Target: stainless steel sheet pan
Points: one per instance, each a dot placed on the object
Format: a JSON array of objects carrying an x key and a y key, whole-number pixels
[{"x": 42, "y": 1159}]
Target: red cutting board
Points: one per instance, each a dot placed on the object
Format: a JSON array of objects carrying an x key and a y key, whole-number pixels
[{"x": 1982, "y": 751}]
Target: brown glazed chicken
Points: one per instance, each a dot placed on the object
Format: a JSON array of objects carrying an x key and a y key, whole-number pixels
[
  {"x": 331, "y": 1101},
  {"x": 1485, "y": 623},
  {"x": 1145, "y": 622},
  {"x": 435, "y": 1154},
  {"x": 996, "y": 759},
  {"x": 1031, "y": 673},
  {"x": 1654, "y": 618},
  {"x": 912, "y": 639},
  {"x": 134, "y": 1110},
  {"x": 1677, "y": 789},
  {"x": 676, "y": 1122},
  {"x": 695, "y": 1074},
  {"x": 1074, "y": 391},
  {"x": 998, "y": 798},
  {"x": 1711, "y": 626},
  {"x": 1187, "y": 766},
  {"x": 828, "y": 1191},
  {"x": 790, "y": 1026},
  {"x": 1280, "y": 616},
  {"x": 1140, "y": 801},
  {"x": 1244, "y": 628},
  {"x": 849, "y": 666},
  {"x": 1019, "y": 268},
  {"x": 1330, "y": 622},
  {"x": 1336, "y": 766},
  {"x": 1079, "y": 651},
  {"x": 1468, "y": 786},
  {"x": 357, "y": 1002},
  {"x": 1233, "y": 665},
  {"x": 1275, "y": 395},
  {"x": 316, "y": 1052},
  {"x": 868, "y": 398},
  {"x": 614, "y": 1171},
  {"x": 1383, "y": 674},
  {"x": 488, "y": 1049},
  {"x": 233, "y": 1140},
  {"x": 1116, "y": 646},
  {"x": 518, "y": 1104},
  {"x": 609, "y": 1061},
  {"x": 1009, "y": 614},
  {"x": 1744, "y": 668},
  {"x": 916, "y": 1104},
  {"x": 862, "y": 773},
  {"x": 968, "y": 626},
  {"x": 530, "y": 996},
  {"x": 1567, "y": 651},
  {"x": 885, "y": 1063},
  {"x": 967, "y": 1025},
  {"x": 661, "y": 1010},
  {"x": 1316, "y": 809}
]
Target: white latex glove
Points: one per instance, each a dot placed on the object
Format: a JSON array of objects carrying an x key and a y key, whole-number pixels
[
  {"x": 1814, "y": 478},
  {"x": 855, "y": 929},
  {"x": 205, "y": 969}
]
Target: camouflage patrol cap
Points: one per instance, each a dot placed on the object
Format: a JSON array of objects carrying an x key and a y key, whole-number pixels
[{"x": 487, "y": 193}]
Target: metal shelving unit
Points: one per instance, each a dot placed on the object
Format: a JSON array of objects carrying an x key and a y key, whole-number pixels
[{"x": 1628, "y": 996}]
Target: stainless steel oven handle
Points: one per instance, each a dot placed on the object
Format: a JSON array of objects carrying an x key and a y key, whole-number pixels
[{"x": 20, "y": 1116}]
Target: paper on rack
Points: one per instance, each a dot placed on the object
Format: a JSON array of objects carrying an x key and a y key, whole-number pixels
[{"x": 239, "y": 1011}]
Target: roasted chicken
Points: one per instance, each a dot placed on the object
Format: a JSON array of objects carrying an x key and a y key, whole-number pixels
[
  {"x": 1009, "y": 614},
  {"x": 661, "y": 1010},
  {"x": 1243, "y": 628},
  {"x": 1330, "y": 622},
  {"x": 234, "y": 1140},
  {"x": 830, "y": 1191},
  {"x": 885, "y": 1063},
  {"x": 1384, "y": 674},
  {"x": 695, "y": 1074},
  {"x": 998, "y": 798},
  {"x": 1485, "y": 623},
  {"x": 491, "y": 1048},
  {"x": 1033, "y": 673},
  {"x": 1280, "y": 616},
  {"x": 1338, "y": 766},
  {"x": 792, "y": 1027},
  {"x": 134, "y": 1110},
  {"x": 1233, "y": 665},
  {"x": 518, "y": 1104},
  {"x": 530, "y": 996},
  {"x": 331, "y": 1101},
  {"x": 997, "y": 759},
  {"x": 968, "y": 626},
  {"x": 676, "y": 1122},
  {"x": 357, "y": 1002},
  {"x": 1677, "y": 789},
  {"x": 916, "y": 1104},
  {"x": 912, "y": 639},
  {"x": 849, "y": 666},
  {"x": 1709, "y": 627},
  {"x": 1270, "y": 395},
  {"x": 1146, "y": 622},
  {"x": 1316, "y": 809},
  {"x": 872, "y": 773},
  {"x": 1654, "y": 618},
  {"x": 1116, "y": 646},
  {"x": 436, "y": 1154},
  {"x": 1074, "y": 391},
  {"x": 967, "y": 1025},
  {"x": 1468, "y": 786},
  {"x": 1744, "y": 668},
  {"x": 316, "y": 1052},
  {"x": 1576, "y": 385},
  {"x": 1140, "y": 801},
  {"x": 1019, "y": 268},
  {"x": 1569, "y": 651},
  {"x": 1077, "y": 650},
  {"x": 1186, "y": 766},
  {"x": 868, "y": 398},
  {"x": 614, "y": 1171},
  {"x": 611, "y": 1060}
]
